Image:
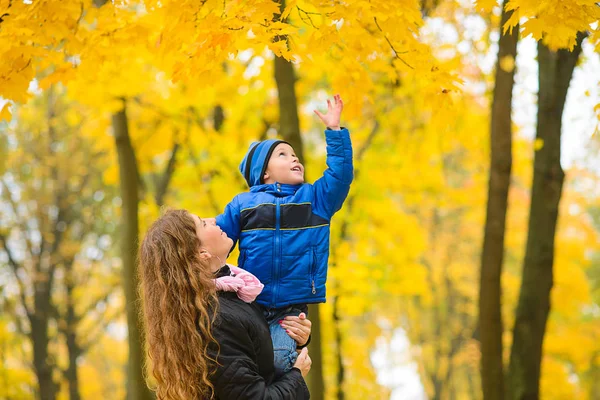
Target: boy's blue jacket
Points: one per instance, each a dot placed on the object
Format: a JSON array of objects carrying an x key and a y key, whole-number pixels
[{"x": 283, "y": 230}]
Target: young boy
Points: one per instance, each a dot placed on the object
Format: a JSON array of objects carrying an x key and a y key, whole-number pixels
[{"x": 282, "y": 225}]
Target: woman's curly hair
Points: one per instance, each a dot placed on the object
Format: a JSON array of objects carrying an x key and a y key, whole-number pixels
[{"x": 179, "y": 305}]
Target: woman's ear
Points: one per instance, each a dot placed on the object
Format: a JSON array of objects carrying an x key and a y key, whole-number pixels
[{"x": 204, "y": 254}]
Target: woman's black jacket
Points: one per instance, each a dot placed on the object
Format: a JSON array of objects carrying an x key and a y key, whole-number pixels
[{"x": 245, "y": 356}]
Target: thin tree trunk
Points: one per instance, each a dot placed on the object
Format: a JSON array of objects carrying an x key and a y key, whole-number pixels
[
  {"x": 44, "y": 367},
  {"x": 555, "y": 71},
  {"x": 218, "y": 117},
  {"x": 3, "y": 351},
  {"x": 163, "y": 180},
  {"x": 129, "y": 185},
  {"x": 490, "y": 316},
  {"x": 338, "y": 340},
  {"x": 315, "y": 381},
  {"x": 73, "y": 349},
  {"x": 289, "y": 124},
  {"x": 45, "y": 267}
]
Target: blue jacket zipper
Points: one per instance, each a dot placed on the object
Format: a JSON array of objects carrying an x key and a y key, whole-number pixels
[
  {"x": 277, "y": 250},
  {"x": 312, "y": 270}
]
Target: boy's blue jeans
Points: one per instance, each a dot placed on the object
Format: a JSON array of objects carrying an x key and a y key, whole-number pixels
[{"x": 284, "y": 347}]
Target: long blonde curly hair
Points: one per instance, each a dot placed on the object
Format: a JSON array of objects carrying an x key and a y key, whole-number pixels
[{"x": 179, "y": 305}]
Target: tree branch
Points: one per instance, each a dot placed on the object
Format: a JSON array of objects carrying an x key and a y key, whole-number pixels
[
  {"x": 93, "y": 338},
  {"x": 163, "y": 181},
  {"x": 396, "y": 53},
  {"x": 20, "y": 219},
  {"x": 103, "y": 298},
  {"x": 15, "y": 268}
]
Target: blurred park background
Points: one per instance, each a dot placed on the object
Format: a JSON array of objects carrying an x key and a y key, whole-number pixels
[{"x": 463, "y": 265}]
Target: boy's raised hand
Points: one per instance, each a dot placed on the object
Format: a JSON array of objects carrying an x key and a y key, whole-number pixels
[{"x": 334, "y": 111}]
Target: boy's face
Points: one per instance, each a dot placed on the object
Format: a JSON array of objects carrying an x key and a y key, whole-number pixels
[{"x": 284, "y": 167}]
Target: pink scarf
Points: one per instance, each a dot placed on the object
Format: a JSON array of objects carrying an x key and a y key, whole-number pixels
[{"x": 246, "y": 285}]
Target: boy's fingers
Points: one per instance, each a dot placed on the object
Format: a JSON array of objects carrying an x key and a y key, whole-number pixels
[
  {"x": 328, "y": 104},
  {"x": 319, "y": 114}
]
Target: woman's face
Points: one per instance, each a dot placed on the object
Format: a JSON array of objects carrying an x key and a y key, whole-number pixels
[{"x": 212, "y": 238}]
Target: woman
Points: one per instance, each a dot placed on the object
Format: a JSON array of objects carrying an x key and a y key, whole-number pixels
[{"x": 203, "y": 342}]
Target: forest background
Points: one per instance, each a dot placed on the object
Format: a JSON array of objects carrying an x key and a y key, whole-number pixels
[{"x": 465, "y": 263}]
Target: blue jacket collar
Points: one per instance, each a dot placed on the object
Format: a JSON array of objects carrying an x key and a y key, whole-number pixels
[{"x": 277, "y": 189}]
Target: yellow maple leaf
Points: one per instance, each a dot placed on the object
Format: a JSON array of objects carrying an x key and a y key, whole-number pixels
[
  {"x": 512, "y": 21},
  {"x": 534, "y": 27},
  {"x": 486, "y": 5},
  {"x": 288, "y": 8},
  {"x": 5, "y": 114},
  {"x": 62, "y": 74},
  {"x": 280, "y": 49}
]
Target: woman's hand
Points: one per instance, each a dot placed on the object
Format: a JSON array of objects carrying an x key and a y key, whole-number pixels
[
  {"x": 298, "y": 328},
  {"x": 303, "y": 362},
  {"x": 334, "y": 112}
]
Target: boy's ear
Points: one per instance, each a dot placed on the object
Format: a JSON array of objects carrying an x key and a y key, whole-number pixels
[{"x": 266, "y": 176}]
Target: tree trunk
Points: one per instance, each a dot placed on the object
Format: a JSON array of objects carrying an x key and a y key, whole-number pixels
[
  {"x": 163, "y": 180},
  {"x": 315, "y": 382},
  {"x": 42, "y": 363},
  {"x": 73, "y": 348},
  {"x": 338, "y": 340},
  {"x": 218, "y": 117},
  {"x": 555, "y": 71},
  {"x": 129, "y": 184},
  {"x": 289, "y": 123},
  {"x": 490, "y": 316},
  {"x": 43, "y": 284}
]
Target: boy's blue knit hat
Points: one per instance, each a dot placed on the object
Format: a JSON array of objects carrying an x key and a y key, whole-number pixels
[{"x": 254, "y": 164}]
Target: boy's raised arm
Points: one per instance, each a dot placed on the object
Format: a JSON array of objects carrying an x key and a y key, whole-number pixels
[{"x": 332, "y": 188}]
